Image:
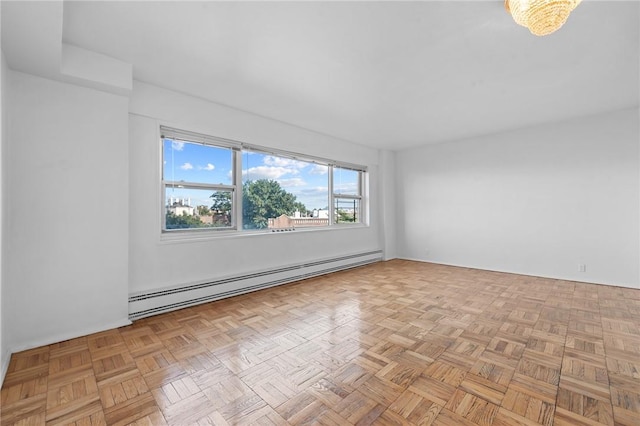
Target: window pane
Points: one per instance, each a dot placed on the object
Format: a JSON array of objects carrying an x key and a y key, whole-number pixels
[
  {"x": 346, "y": 182},
  {"x": 197, "y": 208},
  {"x": 274, "y": 186},
  {"x": 195, "y": 162},
  {"x": 347, "y": 210}
]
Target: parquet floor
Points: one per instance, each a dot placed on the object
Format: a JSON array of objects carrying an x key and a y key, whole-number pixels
[{"x": 392, "y": 343}]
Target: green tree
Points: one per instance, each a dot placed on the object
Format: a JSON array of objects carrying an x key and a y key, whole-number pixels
[
  {"x": 183, "y": 221},
  {"x": 345, "y": 216},
  {"x": 204, "y": 211},
  {"x": 221, "y": 202},
  {"x": 264, "y": 199}
]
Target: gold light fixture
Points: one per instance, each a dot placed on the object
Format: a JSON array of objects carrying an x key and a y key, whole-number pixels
[{"x": 541, "y": 17}]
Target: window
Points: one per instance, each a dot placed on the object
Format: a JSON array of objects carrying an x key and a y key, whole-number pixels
[
  {"x": 216, "y": 184},
  {"x": 198, "y": 184},
  {"x": 347, "y": 195},
  {"x": 281, "y": 192}
]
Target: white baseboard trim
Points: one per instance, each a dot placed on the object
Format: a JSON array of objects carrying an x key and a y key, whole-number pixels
[
  {"x": 67, "y": 336},
  {"x": 527, "y": 274},
  {"x": 6, "y": 357},
  {"x": 153, "y": 302}
]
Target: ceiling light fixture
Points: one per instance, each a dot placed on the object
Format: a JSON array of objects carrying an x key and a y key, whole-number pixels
[{"x": 541, "y": 17}]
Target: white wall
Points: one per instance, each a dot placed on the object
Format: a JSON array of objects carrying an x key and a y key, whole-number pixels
[
  {"x": 155, "y": 264},
  {"x": 388, "y": 203},
  {"x": 67, "y": 211},
  {"x": 537, "y": 201},
  {"x": 4, "y": 348}
]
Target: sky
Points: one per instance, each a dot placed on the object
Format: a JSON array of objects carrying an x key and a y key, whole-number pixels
[{"x": 191, "y": 162}]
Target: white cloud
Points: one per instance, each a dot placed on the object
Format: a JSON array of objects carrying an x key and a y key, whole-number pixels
[
  {"x": 270, "y": 160},
  {"x": 266, "y": 172},
  {"x": 346, "y": 188},
  {"x": 177, "y": 146},
  {"x": 318, "y": 169},
  {"x": 209, "y": 167},
  {"x": 316, "y": 190},
  {"x": 287, "y": 183},
  {"x": 186, "y": 166}
]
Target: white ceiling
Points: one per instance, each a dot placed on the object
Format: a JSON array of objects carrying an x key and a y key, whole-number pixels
[{"x": 383, "y": 74}]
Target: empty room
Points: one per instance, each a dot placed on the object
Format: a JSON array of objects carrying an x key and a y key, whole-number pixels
[{"x": 320, "y": 212}]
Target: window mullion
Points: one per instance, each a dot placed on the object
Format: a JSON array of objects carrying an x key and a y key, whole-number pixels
[
  {"x": 195, "y": 185},
  {"x": 237, "y": 181},
  {"x": 360, "y": 208},
  {"x": 332, "y": 218}
]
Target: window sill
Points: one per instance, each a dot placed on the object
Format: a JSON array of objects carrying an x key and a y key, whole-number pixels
[{"x": 210, "y": 235}]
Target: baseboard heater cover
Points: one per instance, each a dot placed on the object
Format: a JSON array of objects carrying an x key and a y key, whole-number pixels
[{"x": 145, "y": 304}]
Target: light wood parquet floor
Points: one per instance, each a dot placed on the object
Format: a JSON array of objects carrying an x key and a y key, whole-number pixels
[{"x": 392, "y": 343}]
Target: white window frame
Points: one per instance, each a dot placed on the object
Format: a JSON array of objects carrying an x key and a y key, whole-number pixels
[
  {"x": 236, "y": 183},
  {"x": 236, "y": 201},
  {"x": 361, "y": 219}
]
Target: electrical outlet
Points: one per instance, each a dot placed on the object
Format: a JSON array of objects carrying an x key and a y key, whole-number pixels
[{"x": 582, "y": 267}]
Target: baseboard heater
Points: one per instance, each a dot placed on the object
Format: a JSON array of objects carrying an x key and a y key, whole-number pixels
[{"x": 144, "y": 304}]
